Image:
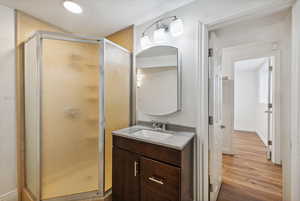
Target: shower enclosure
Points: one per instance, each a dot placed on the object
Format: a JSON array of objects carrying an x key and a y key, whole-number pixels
[{"x": 77, "y": 91}]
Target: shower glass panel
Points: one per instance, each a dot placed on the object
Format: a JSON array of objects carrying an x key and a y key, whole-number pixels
[
  {"x": 70, "y": 116},
  {"x": 117, "y": 99},
  {"x": 77, "y": 91},
  {"x": 32, "y": 117}
]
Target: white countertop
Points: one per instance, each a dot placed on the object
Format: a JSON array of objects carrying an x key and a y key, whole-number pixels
[{"x": 178, "y": 140}]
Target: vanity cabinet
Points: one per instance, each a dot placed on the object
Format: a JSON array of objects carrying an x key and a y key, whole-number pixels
[
  {"x": 149, "y": 172},
  {"x": 126, "y": 178}
]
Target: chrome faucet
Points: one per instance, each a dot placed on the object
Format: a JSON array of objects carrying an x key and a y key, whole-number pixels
[{"x": 159, "y": 125}]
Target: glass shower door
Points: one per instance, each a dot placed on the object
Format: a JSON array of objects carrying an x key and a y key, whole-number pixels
[
  {"x": 117, "y": 66},
  {"x": 70, "y": 118}
]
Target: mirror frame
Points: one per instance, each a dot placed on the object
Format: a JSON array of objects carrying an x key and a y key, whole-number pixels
[{"x": 179, "y": 80}]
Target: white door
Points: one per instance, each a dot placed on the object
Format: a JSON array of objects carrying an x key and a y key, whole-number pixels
[{"x": 215, "y": 126}]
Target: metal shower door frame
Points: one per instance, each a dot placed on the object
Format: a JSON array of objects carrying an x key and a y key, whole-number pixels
[{"x": 40, "y": 36}]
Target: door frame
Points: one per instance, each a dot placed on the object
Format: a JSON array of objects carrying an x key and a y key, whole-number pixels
[
  {"x": 295, "y": 112},
  {"x": 202, "y": 144}
]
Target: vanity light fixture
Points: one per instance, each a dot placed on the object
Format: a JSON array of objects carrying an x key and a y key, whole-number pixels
[
  {"x": 176, "y": 27},
  {"x": 139, "y": 79},
  {"x": 159, "y": 35},
  {"x": 145, "y": 41},
  {"x": 72, "y": 6},
  {"x": 172, "y": 24}
]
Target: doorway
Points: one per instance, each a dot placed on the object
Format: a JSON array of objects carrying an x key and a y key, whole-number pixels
[
  {"x": 249, "y": 173},
  {"x": 230, "y": 43},
  {"x": 253, "y": 102},
  {"x": 244, "y": 106}
]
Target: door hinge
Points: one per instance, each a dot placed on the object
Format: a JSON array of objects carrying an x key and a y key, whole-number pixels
[
  {"x": 270, "y": 68},
  {"x": 270, "y": 142},
  {"x": 210, "y": 52},
  {"x": 269, "y": 155},
  {"x": 211, "y": 120},
  {"x": 270, "y": 105}
]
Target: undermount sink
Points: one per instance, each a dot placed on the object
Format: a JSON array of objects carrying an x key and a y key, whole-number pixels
[{"x": 152, "y": 135}]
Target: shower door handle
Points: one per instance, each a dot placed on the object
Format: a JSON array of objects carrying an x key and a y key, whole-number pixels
[{"x": 135, "y": 168}]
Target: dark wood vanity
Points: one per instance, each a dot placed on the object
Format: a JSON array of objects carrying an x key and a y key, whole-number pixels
[{"x": 148, "y": 172}]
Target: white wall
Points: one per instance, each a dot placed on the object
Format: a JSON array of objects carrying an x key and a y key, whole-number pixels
[
  {"x": 295, "y": 103},
  {"x": 187, "y": 44},
  {"x": 245, "y": 100},
  {"x": 7, "y": 106},
  {"x": 251, "y": 99},
  {"x": 228, "y": 115},
  {"x": 208, "y": 11},
  {"x": 203, "y": 11}
]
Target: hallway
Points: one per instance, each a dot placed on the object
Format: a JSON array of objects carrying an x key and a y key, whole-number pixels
[{"x": 248, "y": 176}]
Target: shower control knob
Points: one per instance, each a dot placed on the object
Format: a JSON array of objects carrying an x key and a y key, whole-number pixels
[{"x": 72, "y": 113}]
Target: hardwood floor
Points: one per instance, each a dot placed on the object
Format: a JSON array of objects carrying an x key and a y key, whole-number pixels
[{"x": 248, "y": 176}]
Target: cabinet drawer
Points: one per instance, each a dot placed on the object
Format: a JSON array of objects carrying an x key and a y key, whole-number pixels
[
  {"x": 160, "y": 180},
  {"x": 153, "y": 151}
]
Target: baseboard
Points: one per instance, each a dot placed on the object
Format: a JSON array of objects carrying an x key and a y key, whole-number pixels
[
  {"x": 244, "y": 131},
  {"x": 227, "y": 152},
  {"x": 10, "y": 196},
  {"x": 219, "y": 191},
  {"x": 264, "y": 141}
]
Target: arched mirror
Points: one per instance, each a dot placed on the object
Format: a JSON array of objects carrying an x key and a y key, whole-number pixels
[{"x": 158, "y": 80}]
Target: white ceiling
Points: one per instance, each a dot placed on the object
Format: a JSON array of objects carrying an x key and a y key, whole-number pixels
[
  {"x": 99, "y": 17},
  {"x": 249, "y": 65}
]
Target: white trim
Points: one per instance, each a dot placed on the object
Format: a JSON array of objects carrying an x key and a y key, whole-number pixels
[
  {"x": 10, "y": 196},
  {"x": 133, "y": 79},
  {"x": 202, "y": 115},
  {"x": 294, "y": 143}
]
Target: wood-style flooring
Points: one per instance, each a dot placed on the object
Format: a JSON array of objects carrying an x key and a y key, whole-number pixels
[{"x": 248, "y": 176}]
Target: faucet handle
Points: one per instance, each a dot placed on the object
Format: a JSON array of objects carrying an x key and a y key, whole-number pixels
[{"x": 154, "y": 123}]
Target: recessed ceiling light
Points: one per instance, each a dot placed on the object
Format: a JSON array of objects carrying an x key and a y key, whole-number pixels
[{"x": 72, "y": 6}]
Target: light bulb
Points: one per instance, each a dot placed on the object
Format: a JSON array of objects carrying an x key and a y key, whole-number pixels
[
  {"x": 159, "y": 35},
  {"x": 145, "y": 41},
  {"x": 176, "y": 27},
  {"x": 139, "y": 79},
  {"x": 72, "y": 7}
]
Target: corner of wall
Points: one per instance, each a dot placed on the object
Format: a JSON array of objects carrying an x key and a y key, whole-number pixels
[{"x": 124, "y": 38}]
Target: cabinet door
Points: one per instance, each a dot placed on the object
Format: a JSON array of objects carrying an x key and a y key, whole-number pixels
[
  {"x": 159, "y": 181},
  {"x": 125, "y": 176}
]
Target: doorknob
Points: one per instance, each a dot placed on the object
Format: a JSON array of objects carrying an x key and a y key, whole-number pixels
[
  {"x": 222, "y": 126},
  {"x": 267, "y": 111}
]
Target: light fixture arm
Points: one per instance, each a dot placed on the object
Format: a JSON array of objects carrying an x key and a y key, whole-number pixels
[{"x": 158, "y": 22}]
